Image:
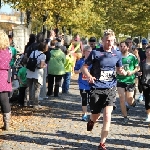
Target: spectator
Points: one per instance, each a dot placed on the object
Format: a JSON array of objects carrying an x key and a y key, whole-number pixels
[
  {"x": 23, "y": 85},
  {"x": 35, "y": 79},
  {"x": 68, "y": 69},
  {"x": 5, "y": 78},
  {"x": 56, "y": 69}
]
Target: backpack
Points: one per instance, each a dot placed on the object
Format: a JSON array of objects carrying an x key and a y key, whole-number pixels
[{"x": 32, "y": 62}]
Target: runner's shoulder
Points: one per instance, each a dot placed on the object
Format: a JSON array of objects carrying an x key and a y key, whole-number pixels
[{"x": 132, "y": 55}]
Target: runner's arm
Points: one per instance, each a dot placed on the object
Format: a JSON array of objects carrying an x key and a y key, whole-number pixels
[
  {"x": 84, "y": 68},
  {"x": 119, "y": 67},
  {"x": 137, "y": 68},
  {"x": 121, "y": 71},
  {"x": 136, "y": 53}
]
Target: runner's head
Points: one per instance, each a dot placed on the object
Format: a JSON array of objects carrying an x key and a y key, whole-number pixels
[
  {"x": 86, "y": 51},
  {"x": 92, "y": 42},
  {"x": 147, "y": 52},
  {"x": 124, "y": 47},
  {"x": 108, "y": 39},
  {"x": 144, "y": 43},
  {"x": 130, "y": 42}
]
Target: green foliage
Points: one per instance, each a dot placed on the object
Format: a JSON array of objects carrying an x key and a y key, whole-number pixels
[{"x": 90, "y": 17}]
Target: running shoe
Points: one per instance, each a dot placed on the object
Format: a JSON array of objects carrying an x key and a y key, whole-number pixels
[
  {"x": 102, "y": 147},
  {"x": 90, "y": 125},
  {"x": 148, "y": 118},
  {"x": 125, "y": 120},
  {"x": 84, "y": 117},
  {"x": 140, "y": 99}
]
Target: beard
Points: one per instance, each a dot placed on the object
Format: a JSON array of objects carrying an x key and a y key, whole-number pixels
[{"x": 124, "y": 51}]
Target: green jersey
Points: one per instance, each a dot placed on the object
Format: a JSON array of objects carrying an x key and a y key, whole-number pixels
[
  {"x": 22, "y": 75},
  {"x": 129, "y": 62}
]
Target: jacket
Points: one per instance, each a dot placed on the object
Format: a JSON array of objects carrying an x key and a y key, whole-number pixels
[{"x": 56, "y": 65}]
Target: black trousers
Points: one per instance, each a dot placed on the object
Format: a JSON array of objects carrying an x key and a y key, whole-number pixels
[
  {"x": 22, "y": 91},
  {"x": 4, "y": 102},
  {"x": 140, "y": 87},
  {"x": 146, "y": 93},
  {"x": 85, "y": 95},
  {"x": 51, "y": 84}
]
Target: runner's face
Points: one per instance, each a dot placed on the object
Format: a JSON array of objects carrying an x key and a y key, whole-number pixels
[
  {"x": 92, "y": 44},
  {"x": 130, "y": 43},
  {"x": 87, "y": 53},
  {"x": 108, "y": 42},
  {"x": 123, "y": 48},
  {"x": 144, "y": 46},
  {"x": 148, "y": 53}
]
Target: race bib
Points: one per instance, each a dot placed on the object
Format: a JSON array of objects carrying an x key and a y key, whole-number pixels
[
  {"x": 126, "y": 67},
  {"x": 107, "y": 76}
]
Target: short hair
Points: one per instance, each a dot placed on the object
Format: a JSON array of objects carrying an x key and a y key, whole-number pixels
[
  {"x": 4, "y": 40},
  {"x": 109, "y": 32},
  {"x": 129, "y": 39},
  {"x": 40, "y": 37},
  {"x": 53, "y": 42},
  {"x": 42, "y": 46},
  {"x": 92, "y": 39},
  {"x": 126, "y": 43},
  {"x": 86, "y": 47}
]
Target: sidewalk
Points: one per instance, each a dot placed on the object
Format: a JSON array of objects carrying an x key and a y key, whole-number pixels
[{"x": 58, "y": 126}]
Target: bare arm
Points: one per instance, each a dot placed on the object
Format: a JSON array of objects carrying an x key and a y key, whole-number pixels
[
  {"x": 43, "y": 64},
  {"x": 85, "y": 71},
  {"x": 121, "y": 71},
  {"x": 135, "y": 52}
]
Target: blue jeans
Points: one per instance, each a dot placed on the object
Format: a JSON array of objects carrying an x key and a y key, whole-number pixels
[{"x": 66, "y": 82}]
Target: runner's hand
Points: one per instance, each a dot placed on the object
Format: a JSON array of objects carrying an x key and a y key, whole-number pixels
[
  {"x": 129, "y": 73},
  {"x": 91, "y": 79},
  {"x": 122, "y": 72},
  {"x": 139, "y": 73}
]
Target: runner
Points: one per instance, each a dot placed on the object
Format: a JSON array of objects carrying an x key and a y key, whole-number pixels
[
  {"x": 126, "y": 84},
  {"x": 134, "y": 51},
  {"x": 83, "y": 83},
  {"x": 146, "y": 82},
  {"x": 142, "y": 58},
  {"x": 103, "y": 82},
  {"x": 92, "y": 43}
]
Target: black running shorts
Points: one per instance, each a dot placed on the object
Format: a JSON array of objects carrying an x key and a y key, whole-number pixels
[
  {"x": 100, "y": 98},
  {"x": 127, "y": 87}
]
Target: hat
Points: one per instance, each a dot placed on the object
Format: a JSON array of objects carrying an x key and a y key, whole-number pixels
[
  {"x": 144, "y": 41},
  {"x": 92, "y": 39}
]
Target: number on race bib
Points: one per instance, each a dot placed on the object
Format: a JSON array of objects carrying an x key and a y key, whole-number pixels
[{"x": 106, "y": 76}]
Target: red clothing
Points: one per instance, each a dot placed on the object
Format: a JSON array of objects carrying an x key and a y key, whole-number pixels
[{"x": 5, "y": 58}]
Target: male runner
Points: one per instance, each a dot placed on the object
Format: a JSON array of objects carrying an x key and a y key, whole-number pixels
[
  {"x": 105, "y": 63},
  {"x": 126, "y": 84}
]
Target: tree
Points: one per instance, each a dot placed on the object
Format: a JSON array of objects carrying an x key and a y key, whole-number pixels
[{"x": 91, "y": 17}]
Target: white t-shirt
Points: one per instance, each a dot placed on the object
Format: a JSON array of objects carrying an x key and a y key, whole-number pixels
[{"x": 38, "y": 73}]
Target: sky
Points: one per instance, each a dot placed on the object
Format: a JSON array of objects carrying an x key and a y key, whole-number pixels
[{"x": 6, "y": 9}]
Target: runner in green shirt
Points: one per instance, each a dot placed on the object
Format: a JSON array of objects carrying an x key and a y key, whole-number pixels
[{"x": 126, "y": 84}]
